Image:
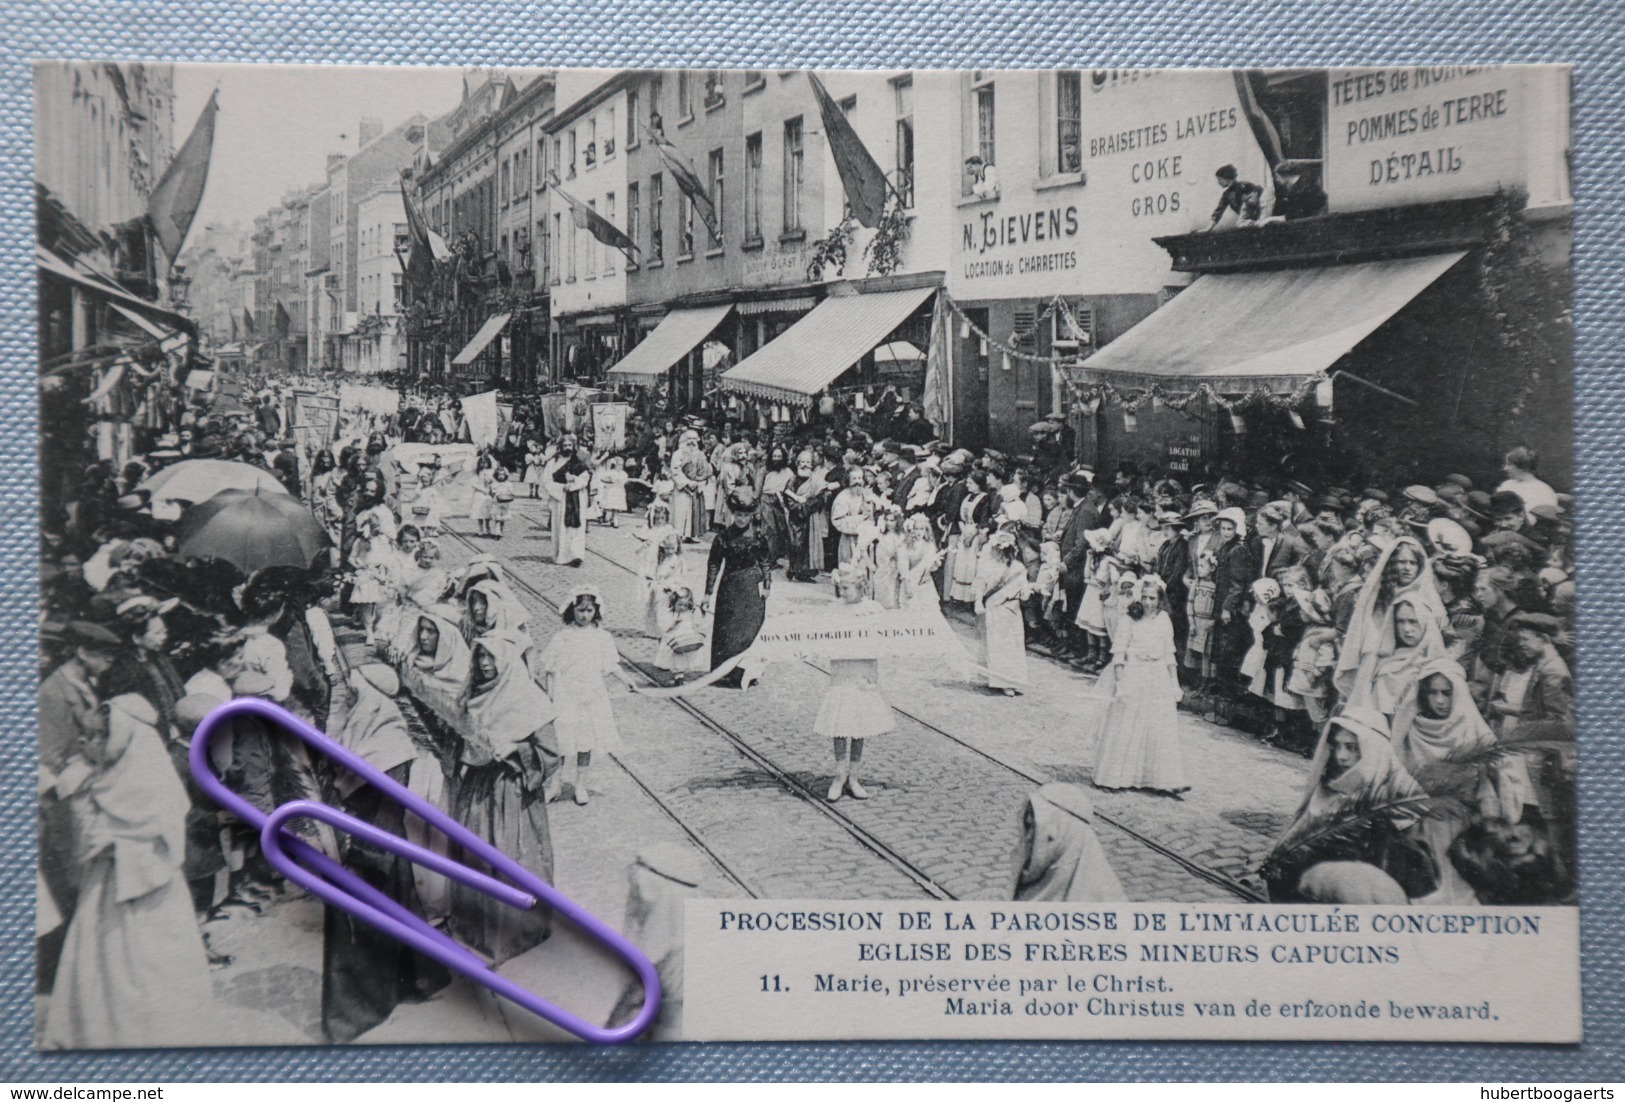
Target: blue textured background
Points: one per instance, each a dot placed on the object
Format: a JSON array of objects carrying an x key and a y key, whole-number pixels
[{"x": 852, "y": 33}]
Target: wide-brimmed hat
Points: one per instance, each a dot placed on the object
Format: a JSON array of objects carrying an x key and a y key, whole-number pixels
[{"x": 1201, "y": 507}]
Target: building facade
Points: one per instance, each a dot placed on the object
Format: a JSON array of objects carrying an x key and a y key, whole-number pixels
[
  {"x": 375, "y": 343},
  {"x": 588, "y": 279},
  {"x": 477, "y": 184},
  {"x": 756, "y": 141}
]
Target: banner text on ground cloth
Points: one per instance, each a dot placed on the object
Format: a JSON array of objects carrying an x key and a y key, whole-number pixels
[{"x": 777, "y": 970}]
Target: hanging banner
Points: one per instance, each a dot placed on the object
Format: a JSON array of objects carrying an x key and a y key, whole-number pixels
[
  {"x": 480, "y": 414},
  {"x": 609, "y": 425}
]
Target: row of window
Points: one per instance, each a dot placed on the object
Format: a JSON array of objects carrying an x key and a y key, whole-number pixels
[{"x": 371, "y": 240}]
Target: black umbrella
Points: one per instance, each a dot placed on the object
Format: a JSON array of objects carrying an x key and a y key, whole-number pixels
[{"x": 251, "y": 530}]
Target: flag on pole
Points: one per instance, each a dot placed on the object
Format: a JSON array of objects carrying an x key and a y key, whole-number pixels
[
  {"x": 174, "y": 201},
  {"x": 248, "y": 322},
  {"x": 427, "y": 247},
  {"x": 689, "y": 183},
  {"x": 585, "y": 218},
  {"x": 283, "y": 322},
  {"x": 864, "y": 179},
  {"x": 1269, "y": 139}
]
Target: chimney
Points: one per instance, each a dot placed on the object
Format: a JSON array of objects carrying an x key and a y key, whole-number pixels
[
  {"x": 334, "y": 160},
  {"x": 370, "y": 129}
]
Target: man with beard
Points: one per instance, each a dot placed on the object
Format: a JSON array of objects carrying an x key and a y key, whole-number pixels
[{"x": 567, "y": 478}]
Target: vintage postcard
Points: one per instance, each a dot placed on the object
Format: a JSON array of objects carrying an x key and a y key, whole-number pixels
[{"x": 935, "y": 554}]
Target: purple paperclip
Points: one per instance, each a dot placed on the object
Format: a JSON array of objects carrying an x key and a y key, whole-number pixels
[{"x": 341, "y": 888}]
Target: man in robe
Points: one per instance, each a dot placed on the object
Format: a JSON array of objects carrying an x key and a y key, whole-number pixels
[{"x": 567, "y": 476}]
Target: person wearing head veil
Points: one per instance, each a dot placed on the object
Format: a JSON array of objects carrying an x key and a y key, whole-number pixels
[
  {"x": 507, "y": 753},
  {"x": 1059, "y": 858},
  {"x": 738, "y": 574},
  {"x": 1361, "y": 804},
  {"x": 1389, "y": 671},
  {"x": 490, "y": 605},
  {"x": 433, "y": 659},
  {"x": 1400, "y": 573},
  {"x": 1444, "y": 742},
  {"x": 133, "y": 971},
  {"x": 366, "y": 973}
]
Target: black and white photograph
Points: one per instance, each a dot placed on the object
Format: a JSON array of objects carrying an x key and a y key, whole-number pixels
[{"x": 1056, "y": 487}]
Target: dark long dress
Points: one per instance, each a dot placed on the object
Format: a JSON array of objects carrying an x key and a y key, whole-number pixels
[
  {"x": 503, "y": 803},
  {"x": 365, "y": 972},
  {"x": 742, "y": 558}
]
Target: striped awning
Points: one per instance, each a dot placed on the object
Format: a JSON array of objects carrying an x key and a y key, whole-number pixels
[
  {"x": 1265, "y": 329},
  {"x": 816, "y": 350},
  {"x": 488, "y": 333},
  {"x": 675, "y": 337}
]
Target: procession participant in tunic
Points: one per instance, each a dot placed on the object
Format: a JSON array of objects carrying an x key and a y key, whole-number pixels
[
  {"x": 572, "y": 669},
  {"x": 691, "y": 473},
  {"x": 853, "y": 711},
  {"x": 133, "y": 971},
  {"x": 738, "y": 575},
  {"x": 1402, "y": 572},
  {"x": 569, "y": 475},
  {"x": 1139, "y": 743},
  {"x": 1059, "y": 858},
  {"x": 662, "y": 570},
  {"x": 508, "y": 752}
]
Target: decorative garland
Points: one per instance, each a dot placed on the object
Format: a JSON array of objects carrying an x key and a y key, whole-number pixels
[
  {"x": 884, "y": 252},
  {"x": 830, "y": 252},
  {"x": 1090, "y": 396}
]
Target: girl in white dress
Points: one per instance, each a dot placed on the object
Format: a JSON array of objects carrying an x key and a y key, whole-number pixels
[
  {"x": 662, "y": 570},
  {"x": 611, "y": 486},
  {"x": 681, "y": 649},
  {"x": 852, "y": 711},
  {"x": 483, "y": 505},
  {"x": 572, "y": 670},
  {"x": 1139, "y": 745},
  {"x": 917, "y": 561}
]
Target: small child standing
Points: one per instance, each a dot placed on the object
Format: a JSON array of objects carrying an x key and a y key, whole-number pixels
[
  {"x": 1198, "y": 654},
  {"x": 852, "y": 711},
  {"x": 502, "y": 495},
  {"x": 572, "y": 671},
  {"x": 681, "y": 649},
  {"x": 610, "y": 483}
]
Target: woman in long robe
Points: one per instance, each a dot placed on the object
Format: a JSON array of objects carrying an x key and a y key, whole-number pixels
[
  {"x": 366, "y": 973},
  {"x": 737, "y": 576},
  {"x": 998, "y": 603},
  {"x": 507, "y": 756},
  {"x": 917, "y": 562},
  {"x": 133, "y": 971},
  {"x": 1139, "y": 744},
  {"x": 1356, "y": 776},
  {"x": 1443, "y": 741},
  {"x": 1059, "y": 858}
]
